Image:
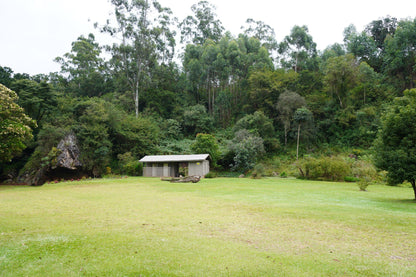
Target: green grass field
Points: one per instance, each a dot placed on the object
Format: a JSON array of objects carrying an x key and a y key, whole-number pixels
[{"x": 217, "y": 227}]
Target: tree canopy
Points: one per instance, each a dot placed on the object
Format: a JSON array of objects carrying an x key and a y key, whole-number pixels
[
  {"x": 15, "y": 125},
  {"x": 395, "y": 148},
  {"x": 140, "y": 94}
]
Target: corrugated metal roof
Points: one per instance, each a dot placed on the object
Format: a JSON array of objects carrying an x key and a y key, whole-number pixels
[{"x": 174, "y": 158}]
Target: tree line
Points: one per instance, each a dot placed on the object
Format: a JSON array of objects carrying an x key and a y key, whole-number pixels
[{"x": 258, "y": 97}]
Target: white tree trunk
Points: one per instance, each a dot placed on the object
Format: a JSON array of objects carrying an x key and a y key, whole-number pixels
[{"x": 297, "y": 146}]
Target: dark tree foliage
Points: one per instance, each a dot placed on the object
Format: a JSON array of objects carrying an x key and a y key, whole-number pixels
[
  {"x": 141, "y": 98},
  {"x": 395, "y": 148}
]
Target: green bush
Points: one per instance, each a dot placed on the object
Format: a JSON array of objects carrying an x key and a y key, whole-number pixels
[
  {"x": 351, "y": 179},
  {"x": 211, "y": 175},
  {"x": 258, "y": 171},
  {"x": 133, "y": 168},
  {"x": 324, "y": 168},
  {"x": 365, "y": 172}
]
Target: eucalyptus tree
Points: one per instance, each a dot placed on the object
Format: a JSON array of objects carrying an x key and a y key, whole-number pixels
[
  {"x": 400, "y": 57},
  {"x": 145, "y": 38},
  {"x": 380, "y": 29},
  {"x": 302, "y": 117},
  {"x": 288, "y": 103},
  {"x": 202, "y": 25},
  {"x": 361, "y": 45},
  {"x": 298, "y": 50},
  {"x": 263, "y": 32},
  {"x": 84, "y": 67}
]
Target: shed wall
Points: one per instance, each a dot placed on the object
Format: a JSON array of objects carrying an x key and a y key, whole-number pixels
[{"x": 200, "y": 168}]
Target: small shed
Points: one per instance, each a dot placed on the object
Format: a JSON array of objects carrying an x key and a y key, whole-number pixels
[{"x": 175, "y": 165}]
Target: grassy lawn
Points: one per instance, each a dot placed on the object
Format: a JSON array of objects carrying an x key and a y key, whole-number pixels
[{"x": 217, "y": 227}]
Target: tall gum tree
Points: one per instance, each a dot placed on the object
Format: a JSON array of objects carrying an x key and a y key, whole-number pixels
[
  {"x": 202, "y": 25},
  {"x": 298, "y": 50},
  {"x": 145, "y": 37}
]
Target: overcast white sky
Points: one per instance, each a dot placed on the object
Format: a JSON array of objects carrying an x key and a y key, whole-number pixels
[{"x": 34, "y": 32}]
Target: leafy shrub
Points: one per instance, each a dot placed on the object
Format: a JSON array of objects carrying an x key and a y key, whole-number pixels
[
  {"x": 351, "y": 179},
  {"x": 211, "y": 175},
  {"x": 247, "y": 148},
  {"x": 324, "y": 168},
  {"x": 257, "y": 123},
  {"x": 258, "y": 171},
  {"x": 206, "y": 144},
  {"x": 133, "y": 168},
  {"x": 129, "y": 165},
  {"x": 283, "y": 175},
  {"x": 365, "y": 172}
]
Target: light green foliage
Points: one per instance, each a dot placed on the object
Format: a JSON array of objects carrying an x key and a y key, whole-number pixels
[
  {"x": 139, "y": 135},
  {"x": 173, "y": 146},
  {"x": 203, "y": 25},
  {"x": 92, "y": 132},
  {"x": 217, "y": 227},
  {"x": 298, "y": 50},
  {"x": 395, "y": 147},
  {"x": 171, "y": 129},
  {"x": 147, "y": 38},
  {"x": 206, "y": 144},
  {"x": 247, "y": 149},
  {"x": 260, "y": 125},
  {"x": 258, "y": 171},
  {"x": 287, "y": 104},
  {"x": 324, "y": 168},
  {"x": 361, "y": 44},
  {"x": 341, "y": 75},
  {"x": 130, "y": 165},
  {"x": 15, "y": 125},
  {"x": 196, "y": 120},
  {"x": 257, "y": 123},
  {"x": 263, "y": 32},
  {"x": 365, "y": 172},
  {"x": 85, "y": 67},
  {"x": 265, "y": 87},
  {"x": 218, "y": 69}
]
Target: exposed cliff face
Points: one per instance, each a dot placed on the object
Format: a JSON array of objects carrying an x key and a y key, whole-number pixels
[
  {"x": 65, "y": 165},
  {"x": 69, "y": 153}
]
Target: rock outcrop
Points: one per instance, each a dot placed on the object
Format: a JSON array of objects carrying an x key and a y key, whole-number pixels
[
  {"x": 65, "y": 165},
  {"x": 69, "y": 153}
]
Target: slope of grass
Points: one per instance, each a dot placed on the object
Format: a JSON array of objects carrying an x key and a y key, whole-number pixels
[{"x": 217, "y": 227}]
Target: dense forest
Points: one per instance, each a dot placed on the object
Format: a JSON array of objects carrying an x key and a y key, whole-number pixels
[{"x": 169, "y": 86}]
